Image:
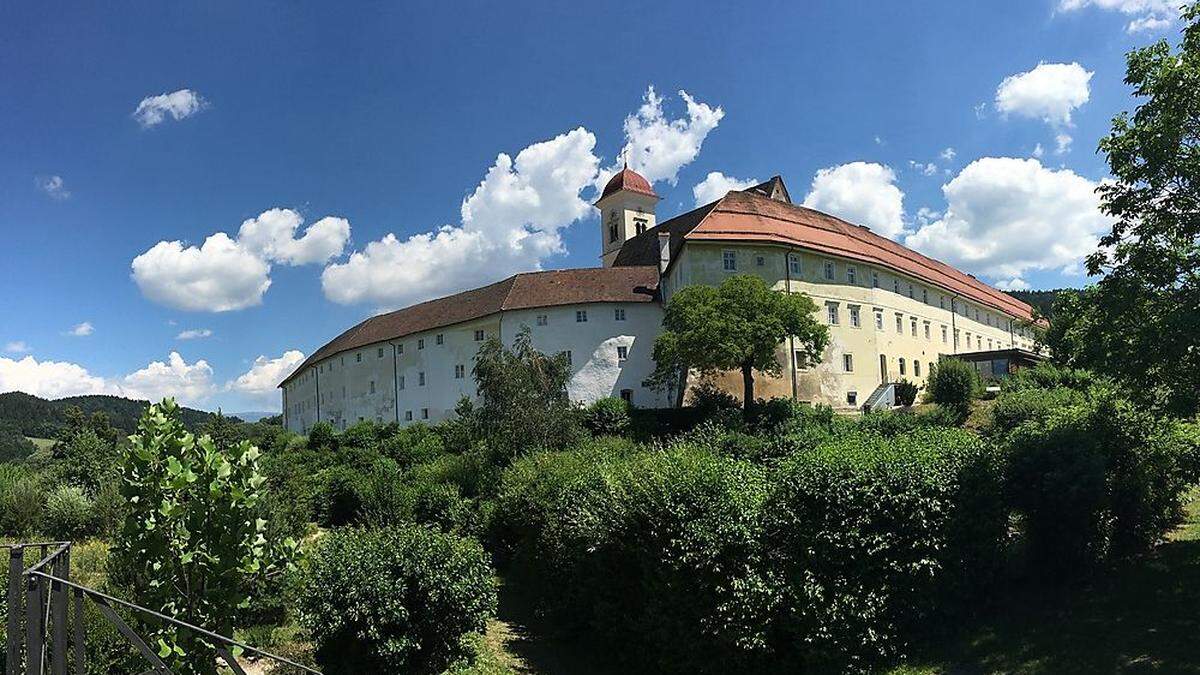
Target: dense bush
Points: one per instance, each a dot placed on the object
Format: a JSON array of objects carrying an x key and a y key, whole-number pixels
[
  {"x": 952, "y": 384},
  {"x": 868, "y": 536},
  {"x": 1046, "y": 375},
  {"x": 414, "y": 444},
  {"x": 707, "y": 398},
  {"x": 69, "y": 514},
  {"x": 1097, "y": 480},
  {"x": 906, "y": 392},
  {"x": 607, "y": 416},
  {"x": 21, "y": 500},
  {"x": 1016, "y": 406},
  {"x": 395, "y": 599}
]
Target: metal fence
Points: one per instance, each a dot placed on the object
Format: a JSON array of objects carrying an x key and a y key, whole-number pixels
[{"x": 40, "y": 632}]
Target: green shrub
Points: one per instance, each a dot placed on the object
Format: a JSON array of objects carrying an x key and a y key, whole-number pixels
[
  {"x": 322, "y": 437},
  {"x": 340, "y": 495},
  {"x": 906, "y": 392},
  {"x": 395, "y": 599},
  {"x": 21, "y": 501},
  {"x": 361, "y": 436},
  {"x": 607, "y": 417},
  {"x": 869, "y": 536},
  {"x": 414, "y": 444},
  {"x": 1046, "y": 375},
  {"x": 952, "y": 384},
  {"x": 707, "y": 398},
  {"x": 69, "y": 514},
  {"x": 1017, "y": 406}
]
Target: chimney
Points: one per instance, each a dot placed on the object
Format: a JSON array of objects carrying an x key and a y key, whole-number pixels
[{"x": 664, "y": 251}]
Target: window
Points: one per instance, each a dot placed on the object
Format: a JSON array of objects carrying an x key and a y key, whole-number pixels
[
  {"x": 729, "y": 260},
  {"x": 372, "y": 386},
  {"x": 910, "y": 290},
  {"x": 914, "y": 326},
  {"x": 400, "y": 382},
  {"x": 874, "y": 279},
  {"x": 407, "y": 415},
  {"x": 942, "y": 301},
  {"x": 794, "y": 264},
  {"x": 878, "y": 319},
  {"x": 968, "y": 340},
  {"x": 459, "y": 371},
  {"x": 801, "y": 359},
  {"x": 848, "y": 363},
  {"x": 400, "y": 348},
  {"x": 854, "y": 318},
  {"x": 926, "y": 330},
  {"x": 358, "y": 357},
  {"x": 943, "y": 335},
  {"x": 627, "y": 395},
  {"x": 639, "y": 226},
  {"x": 896, "y": 286},
  {"x": 612, "y": 231},
  {"x": 619, "y": 314},
  {"x": 956, "y": 338},
  {"x": 479, "y": 336},
  {"x": 851, "y": 275},
  {"x": 622, "y": 353},
  {"x": 581, "y": 316},
  {"x": 343, "y": 360},
  {"x": 830, "y": 271},
  {"x": 925, "y": 295},
  {"x": 902, "y": 372},
  {"x": 568, "y": 353},
  {"x": 421, "y": 379},
  {"x": 439, "y": 339},
  {"x": 831, "y": 313},
  {"x": 343, "y": 391},
  {"x": 852, "y": 398},
  {"x": 900, "y": 323},
  {"x": 540, "y": 320},
  {"x": 917, "y": 368},
  {"x": 421, "y": 343},
  {"x": 424, "y": 413},
  {"x": 760, "y": 261}
]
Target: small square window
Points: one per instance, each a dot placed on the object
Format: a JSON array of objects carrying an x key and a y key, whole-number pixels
[
  {"x": 407, "y": 415},
  {"x": 421, "y": 343},
  {"x": 627, "y": 395},
  {"x": 622, "y": 353},
  {"x": 760, "y": 261},
  {"x": 729, "y": 260},
  {"x": 541, "y": 320},
  {"x": 848, "y": 363},
  {"x": 439, "y": 338},
  {"x": 619, "y": 314},
  {"x": 424, "y": 413},
  {"x": 830, "y": 271},
  {"x": 852, "y": 398},
  {"x": 358, "y": 357},
  {"x": 581, "y": 316},
  {"x": 479, "y": 336}
]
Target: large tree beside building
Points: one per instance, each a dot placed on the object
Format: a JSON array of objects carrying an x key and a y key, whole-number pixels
[
  {"x": 736, "y": 326},
  {"x": 1140, "y": 323}
]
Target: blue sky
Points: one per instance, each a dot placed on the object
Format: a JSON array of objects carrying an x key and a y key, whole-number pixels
[{"x": 386, "y": 118}]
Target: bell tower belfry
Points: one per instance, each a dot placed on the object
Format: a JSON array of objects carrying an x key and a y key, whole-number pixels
[{"x": 626, "y": 210}]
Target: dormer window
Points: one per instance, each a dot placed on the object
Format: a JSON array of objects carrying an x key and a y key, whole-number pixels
[
  {"x": 639, "y": 226},
  {"x": 612, "y": 232}
]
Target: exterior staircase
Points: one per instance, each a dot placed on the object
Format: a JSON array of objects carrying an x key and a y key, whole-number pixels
[{"x": 884, "y": 397}]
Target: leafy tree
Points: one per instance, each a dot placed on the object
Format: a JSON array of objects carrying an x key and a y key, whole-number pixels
[
  {"x": 191, "y": 544},
  {"x": 952, "y": 384},
  {"x": 1141, "y": 322},
  {"x": 14, "y": 447},
  {"x": 735, "y": 326}
]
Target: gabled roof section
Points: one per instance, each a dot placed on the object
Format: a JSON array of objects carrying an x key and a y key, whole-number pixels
[
  {"x": 772, "y": 189},
  {"x": 522, "y": 291},
  {"x": 751, "y": 215}
]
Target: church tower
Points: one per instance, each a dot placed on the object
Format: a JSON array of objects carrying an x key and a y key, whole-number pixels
[{"x": 626, "y": 210}]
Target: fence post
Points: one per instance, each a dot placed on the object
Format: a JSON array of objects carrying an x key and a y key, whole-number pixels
[
  {"x": 58, "y": 608},
  {"x": 33, "y": 626},
  {"x": 80, "y": 638},
  {"x": 16, "y": 563}
]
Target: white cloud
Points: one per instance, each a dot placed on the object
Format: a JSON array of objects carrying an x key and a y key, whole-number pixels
[
  {"x": 926, "y": 215},
  {"x": 657, "y": 147},
  {"x": 925, "y": 169},
  {"x": 219, "y": 276},
  {"x": 980, "y": 110},
  {"x": 1013, "y": 284},
  {"x": 272, "y": 236},
  {"x": 50, "y": 379},
  {"x": 17, "y": 347},
  {"x": 190, "y": 384},
  {"x": 1005, "y": 216},
  {"x": 514, "y": 218},
  {"x": 1049, "y": 92},
  {"x": 194, "y": 334},
  {"x": 1151, "y": 15},
  {"x": 81, "y": 329},
  {"x": 1062, "y": 143},
  {"x": 948, "y": 154},
  {"x": 716, "y": 184},
  {"x": 1038, "y": 151},
  {"x": 178, "y": 104},
  {"x": 863, "y": 193},
  {"x": 225, "y": 274},
  {"x": 264, "y": 376},
  {"x": 53, "y": 186}
]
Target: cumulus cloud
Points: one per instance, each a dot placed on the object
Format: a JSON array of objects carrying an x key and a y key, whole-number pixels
[
  {"x": 657, "y": 147},
  {"x": 863, "y": 193},
  {"x": 225, "y": 274},
  {"x": 1049, "y": 92},
  {"x": 923, "y": 168},
  {"x": 1013, "y": 284},
  {"x": 81, "y": 329},
  {"x": 53, "y": 186},
  {"x": 264, "y": 376},
  {"x": 1062, "y": 143},
  {"x": 1148, "y": 15},
  {"x": 194, "y": 334},
  {"x": 190, "y": 384},
  {"x": 716, "y": 185},
  {"x": 948, "y": 154},
  {"x": 178, "y": 105},
  {"x": 50, "y": 379},
  {"x": 1005, "y": 216},
  {"x": 513, "y": 219},
  {"x": 16, "y": 347}
]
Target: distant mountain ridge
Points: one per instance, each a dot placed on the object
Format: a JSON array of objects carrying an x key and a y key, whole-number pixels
[
  {"x": 41, "y": 418},
  {"x": 1043, "y": 301}
]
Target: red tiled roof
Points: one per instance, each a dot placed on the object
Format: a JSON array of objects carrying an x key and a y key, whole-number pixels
[
  {"x": 522, "y": 291},
  {"x": 627, "y": 179},
  {"x": 747, "y": 216}
]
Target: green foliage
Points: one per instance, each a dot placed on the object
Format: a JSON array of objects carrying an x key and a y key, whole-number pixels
[
  {"x": 395, "y": 599},
  {"x": 414, "y": 444},
  {"x": 1140, "y": 322},
  {"x": 735, "y": 326},
  {"x": 84, "y": 458},
  {"x": 322, "y": 436},
  {"x": 607, "y": 416},
  {"x": 22, "y": 498},
  {"x": 192, "y": 540},
  {"x": 1017, "y": 406},
  {"x": 867, "y": 537},
  {"x": 40, "y": 418},
  {"x": 14, "y": 447},
  {"x": 69, "y": 514},
  {"x": 906, "y": 392},
  {"x": 1047, "y": 375},
  {"x": 953, "y": 384}
]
